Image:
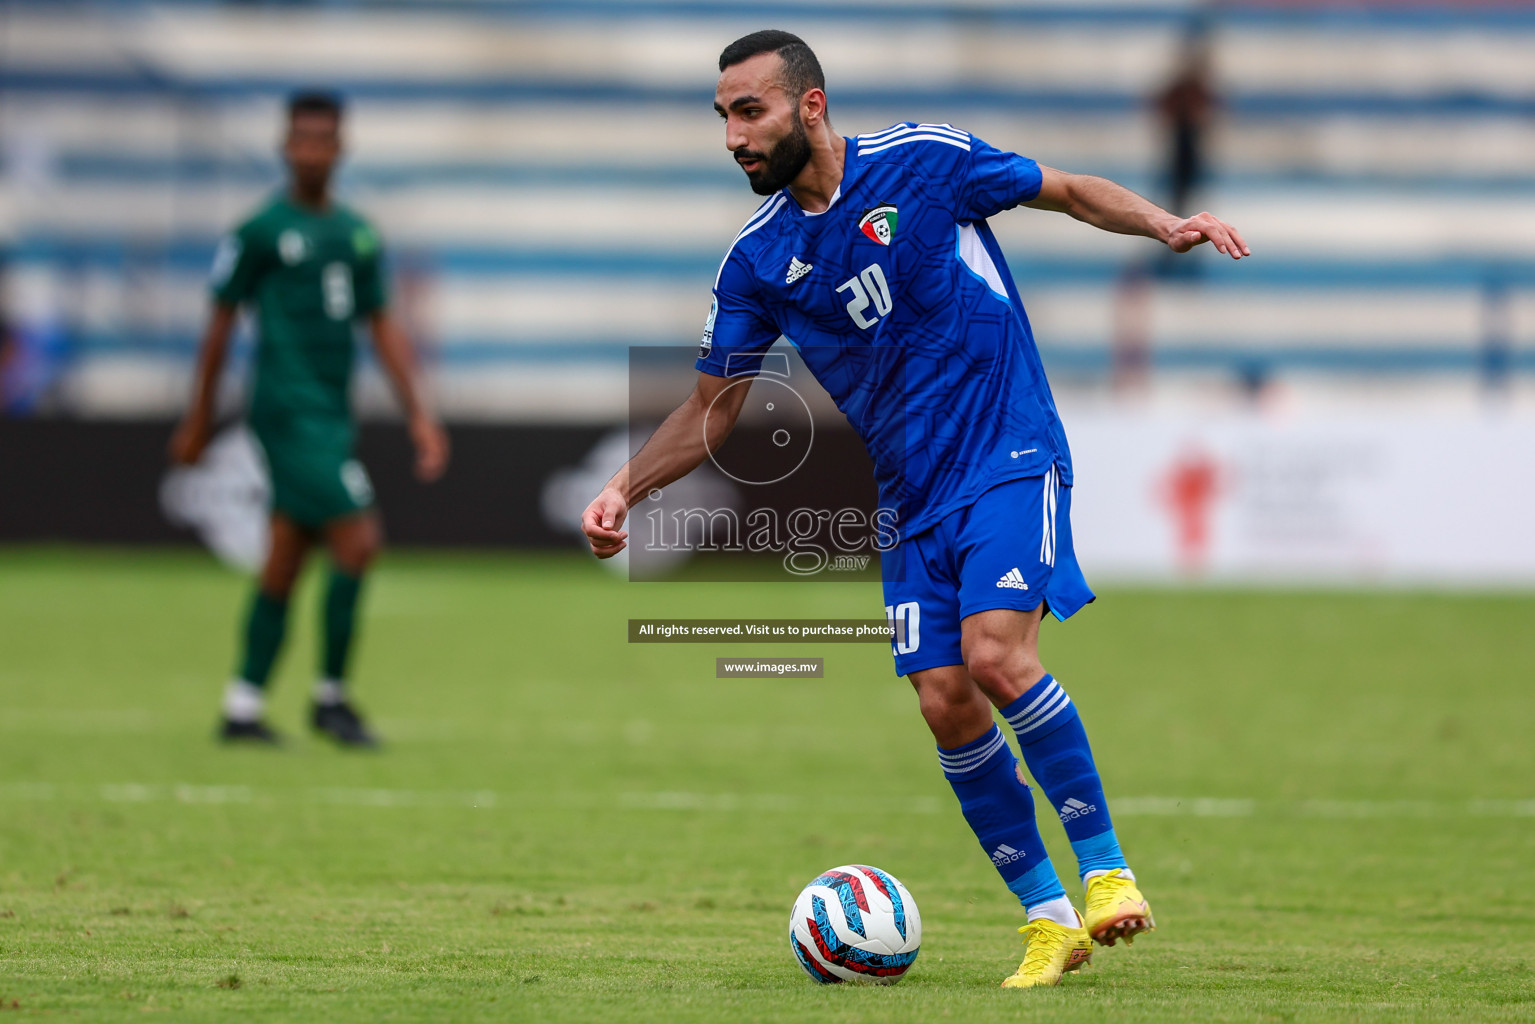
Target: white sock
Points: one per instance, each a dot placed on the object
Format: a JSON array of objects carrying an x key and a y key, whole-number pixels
[
  {"x": 243, "y": 702},
  {"x": 1058, "y": 910},
  {"x": 329, "y": 691},
  {"x": 1123, "y": 873}
]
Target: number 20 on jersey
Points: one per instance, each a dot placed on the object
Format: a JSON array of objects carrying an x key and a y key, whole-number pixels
[{"x": 868, "y": 288}]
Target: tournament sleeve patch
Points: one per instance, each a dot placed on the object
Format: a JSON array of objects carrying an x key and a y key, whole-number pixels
[{"x": 225, "y": 260}]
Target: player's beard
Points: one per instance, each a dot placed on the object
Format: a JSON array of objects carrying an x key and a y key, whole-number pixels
[{"x": 781, "y": 164}]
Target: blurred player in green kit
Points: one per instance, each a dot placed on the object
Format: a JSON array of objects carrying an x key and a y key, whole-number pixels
[{"x": 310, "y": 269}]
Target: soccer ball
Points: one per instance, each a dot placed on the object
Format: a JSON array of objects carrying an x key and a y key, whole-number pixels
[{"x": 855, "y": 923}]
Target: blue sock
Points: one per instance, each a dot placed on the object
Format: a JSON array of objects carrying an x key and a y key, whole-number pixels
[
  {"x": 1000, "y": 809},
  {"x": 1055, "y": 748}
]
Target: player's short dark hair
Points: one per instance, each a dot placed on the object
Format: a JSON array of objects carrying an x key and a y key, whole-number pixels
[
  {"x": 801, "y": 71},
  {"x": 315, "y": 101}
]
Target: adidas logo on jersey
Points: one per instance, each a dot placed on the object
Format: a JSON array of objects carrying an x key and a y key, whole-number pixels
[
  {"x": 1005, "y": 854},
  {"x": 797, "y": 270},
  {"x": 1013, "y": 580},
  {"x": 1073, "y": 809}
]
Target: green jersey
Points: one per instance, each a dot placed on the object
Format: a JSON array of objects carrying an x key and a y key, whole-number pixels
[{"x": 309, "y": 274}]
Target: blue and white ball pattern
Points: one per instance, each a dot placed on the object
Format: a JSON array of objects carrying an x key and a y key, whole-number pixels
[{"x": 855, "y": 923}]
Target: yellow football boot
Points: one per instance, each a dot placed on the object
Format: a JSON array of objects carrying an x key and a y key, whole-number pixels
[
  {"x": 1116, "y": 909},
  {"x": 1052, "y": 950}
]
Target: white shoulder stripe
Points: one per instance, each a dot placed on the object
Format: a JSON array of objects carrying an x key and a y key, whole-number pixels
[
  {"x": 904, "y": 139},
  {"x": 905, "y": 133},
  {"x": 766, "y": 210},
  {"x": 946, "y": 129},
  {"x": 761, "y": 217},
  {"x": 876, "y": 136},
  {"x": 902, "y": 129}
]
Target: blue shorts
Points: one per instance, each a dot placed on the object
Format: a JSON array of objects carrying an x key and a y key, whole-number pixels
[{"x": 1010, "y": 549}]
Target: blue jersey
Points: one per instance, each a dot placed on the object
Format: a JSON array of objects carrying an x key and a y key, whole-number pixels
[{"x": 899, "y": 301}]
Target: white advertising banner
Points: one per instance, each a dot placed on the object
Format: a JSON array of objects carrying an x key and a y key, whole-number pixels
[{"x": 1431, "y": 499}]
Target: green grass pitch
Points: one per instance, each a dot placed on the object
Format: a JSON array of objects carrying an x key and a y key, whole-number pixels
[{"x": 1329, "y": 797}]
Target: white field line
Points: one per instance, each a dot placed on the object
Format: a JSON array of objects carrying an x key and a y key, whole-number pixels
[
  {"x": 141, "y": 721},
  {"x": 753, "y": 802},
  {"x": 79, "y": 722},
  {"x": 1199, "y": 807},
  {"x": 729, "y": 803}
]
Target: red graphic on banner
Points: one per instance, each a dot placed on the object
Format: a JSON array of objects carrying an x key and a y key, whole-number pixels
[{"x": 1188, "y": 490}]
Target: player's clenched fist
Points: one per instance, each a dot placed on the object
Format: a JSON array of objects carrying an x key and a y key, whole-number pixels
[
  {"x": 431, "y": 442},
  {"x": 603, "y": 521}
]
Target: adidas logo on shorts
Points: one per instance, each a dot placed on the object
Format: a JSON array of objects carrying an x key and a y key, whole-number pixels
[
  {"x": 1074, "y": 808},
  {"x": 1013, "y": 580}
]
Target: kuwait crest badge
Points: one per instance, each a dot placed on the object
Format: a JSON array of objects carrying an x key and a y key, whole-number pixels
[{"x": 879, "y": 223}]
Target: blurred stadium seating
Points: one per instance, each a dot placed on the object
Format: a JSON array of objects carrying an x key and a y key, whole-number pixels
[{"x": 553, "y": 186}]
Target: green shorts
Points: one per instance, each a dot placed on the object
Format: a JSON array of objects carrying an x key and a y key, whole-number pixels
[{"x": 316, "y": 478}]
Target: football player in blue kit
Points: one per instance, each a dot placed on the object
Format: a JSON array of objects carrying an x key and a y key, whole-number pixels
[{"x": 872, "y": 255}]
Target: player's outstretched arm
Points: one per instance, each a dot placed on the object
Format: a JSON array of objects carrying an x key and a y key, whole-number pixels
[
  {"x": 399, "y": 362},
  {"x": 1112, "y": 207},
  {"x": 195, "y": 428},
  {"x": 693, "y": 431}
]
